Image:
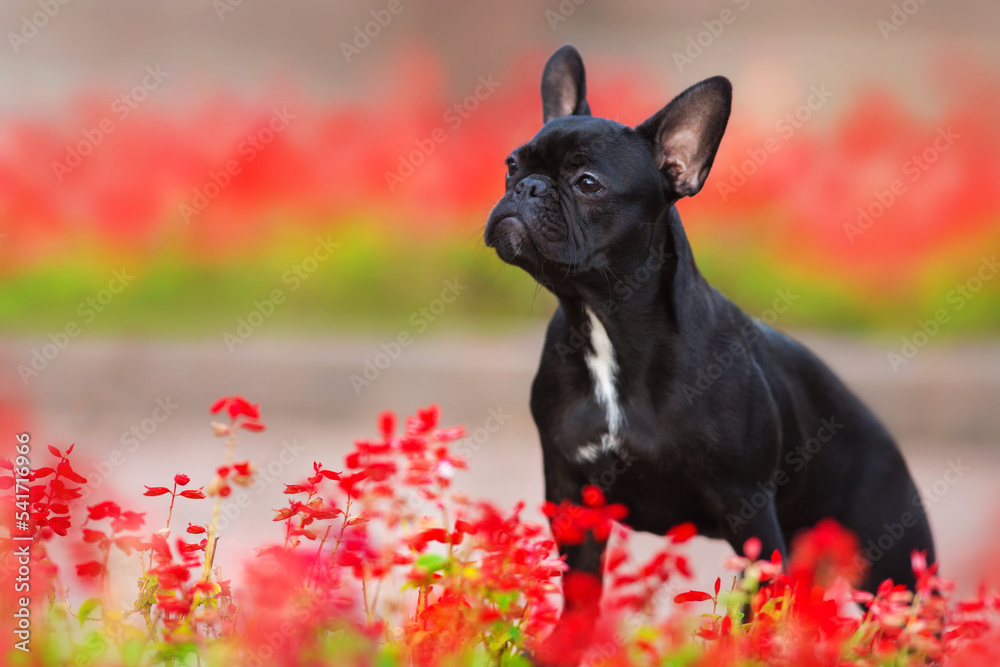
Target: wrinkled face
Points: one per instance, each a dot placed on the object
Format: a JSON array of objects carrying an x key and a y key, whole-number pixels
[{"x": 583, "y": 192}]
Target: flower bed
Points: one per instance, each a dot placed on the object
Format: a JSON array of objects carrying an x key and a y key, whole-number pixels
[{"x": 383, "y": 563}]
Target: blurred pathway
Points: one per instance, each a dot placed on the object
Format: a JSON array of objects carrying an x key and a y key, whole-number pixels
[{"x": 139, "y": 410}]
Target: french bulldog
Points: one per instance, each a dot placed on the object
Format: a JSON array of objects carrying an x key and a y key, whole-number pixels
[{"x": 773, "y": 443}]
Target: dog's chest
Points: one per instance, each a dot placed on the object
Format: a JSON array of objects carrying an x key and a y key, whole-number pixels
[{"x": 602, "y": 365}]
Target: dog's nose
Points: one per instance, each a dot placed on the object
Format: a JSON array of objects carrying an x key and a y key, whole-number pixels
[{"x": 531, "y": 187}]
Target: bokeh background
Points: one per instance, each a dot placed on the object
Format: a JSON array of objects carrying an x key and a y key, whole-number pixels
[{"x": 286, "y": 200}]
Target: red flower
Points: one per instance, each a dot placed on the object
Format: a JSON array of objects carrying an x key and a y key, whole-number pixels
[
  {"x": 128, "y": 521},
  {"x": 682, "y": 532},
  {"x": 424, "y": 421},
  {"x": 237, "y": 407},
  {"x": 102, "y": 510},
  {"x": 593, "y": 496},
  {"x": 181, "y": 480},
  {"x": 91, "y": 569},
  {"x": 692, "y": 596},
  {"x": 387, "y": 424}
]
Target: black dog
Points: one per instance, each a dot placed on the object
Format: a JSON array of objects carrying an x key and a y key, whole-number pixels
[{"x": 771, "y": 445}]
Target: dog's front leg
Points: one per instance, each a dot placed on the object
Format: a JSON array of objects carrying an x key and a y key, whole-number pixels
[
  {"x": 582, "y": 580},
  {"x": 763, "y": 524},
  {"x": 582, "y": 587}
]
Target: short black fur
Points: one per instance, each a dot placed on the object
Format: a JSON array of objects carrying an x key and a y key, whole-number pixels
[{"x": 773, "y": 443}]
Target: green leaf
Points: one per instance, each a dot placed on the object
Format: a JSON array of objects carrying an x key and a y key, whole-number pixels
[
  {"x": 87, "y": 606},
  {"x": 505, "y": 599},
  {"x": 432, "y": 562}
]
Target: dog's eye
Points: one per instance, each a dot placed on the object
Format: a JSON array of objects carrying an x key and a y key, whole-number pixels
[
  {"x": 511, "y": 167},
  {"x": 588, "y": 184}
]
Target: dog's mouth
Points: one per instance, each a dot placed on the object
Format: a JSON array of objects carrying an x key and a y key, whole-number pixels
[{"x": 510, "y": 237}]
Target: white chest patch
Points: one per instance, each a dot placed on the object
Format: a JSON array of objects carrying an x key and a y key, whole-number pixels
[{"x": 603, "y": 370}]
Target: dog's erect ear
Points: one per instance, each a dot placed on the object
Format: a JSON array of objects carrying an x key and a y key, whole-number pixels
[
  {"x": 564, "y": 86},
  {"x": 686, "y": 133}
]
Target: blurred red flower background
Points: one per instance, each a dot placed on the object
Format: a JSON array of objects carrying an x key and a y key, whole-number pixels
[{"x": 876, "y": 213}]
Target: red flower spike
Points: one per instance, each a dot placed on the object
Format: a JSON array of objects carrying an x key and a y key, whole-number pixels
[
  {"x": 682, "y": 532},
  {"x": 593, "y": 496},
  {"x": 93, "y": 536},
  {"x": 102, "y": 510},
  {"x": 692, "y": 596},
  {"x": 237, "y": 407},
  {"x": 91, "y": 569},
  {"x": 387, "y": 424},
  {"x": 128, "y": 521}
]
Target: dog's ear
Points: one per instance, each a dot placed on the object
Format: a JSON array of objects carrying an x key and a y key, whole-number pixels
[
  {"x": 686, "y": 133},
  {"x": 564, "y": 86}
]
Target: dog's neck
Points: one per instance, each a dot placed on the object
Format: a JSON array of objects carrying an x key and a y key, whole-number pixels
[
  {"x": 666, "y": 290},
  {"x": 626, "y": 319}
]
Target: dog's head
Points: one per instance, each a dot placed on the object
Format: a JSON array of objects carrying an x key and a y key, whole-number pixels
[{"x": 585, "y": 193}]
